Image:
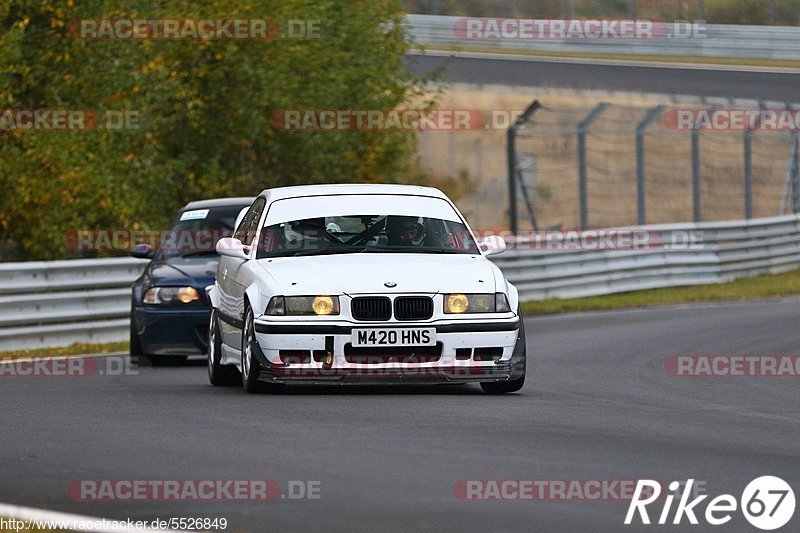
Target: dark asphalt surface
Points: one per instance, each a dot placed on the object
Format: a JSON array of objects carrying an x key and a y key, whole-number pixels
[
  {"x": 780, "y": 86},
  {"x": 598, "y": 404}
]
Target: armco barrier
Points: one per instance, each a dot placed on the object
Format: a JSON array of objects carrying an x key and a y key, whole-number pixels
[
  {"x": 723, "y": 251},
  {"x": 714, "y": 40},
  {"x": 61, "y": 302},
  {"x": 58, "y": 303}
]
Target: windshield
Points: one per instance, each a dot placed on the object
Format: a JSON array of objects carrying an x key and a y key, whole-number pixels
[
  {"x": 197, "y": 231},
  {"x": 365, "y": 234}
]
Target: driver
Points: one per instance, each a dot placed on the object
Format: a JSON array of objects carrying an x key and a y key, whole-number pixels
[
  {"x": 309, "y": 231},
  {"x": 404, "y": 231}
]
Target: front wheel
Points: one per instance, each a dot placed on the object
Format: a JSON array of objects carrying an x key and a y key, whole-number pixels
[
  {"x": 250, "y": 365},
  {"x": 218, "y": 374},
  {"x": 135, "y": 344},
  {"x": 513, "y": 385}
]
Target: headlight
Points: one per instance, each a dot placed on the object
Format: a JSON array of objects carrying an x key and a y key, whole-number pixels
[
  {"x": 303, "y": 305},
  {"x": 169, "y": 295},
  {"x": 476, "y": 303}
]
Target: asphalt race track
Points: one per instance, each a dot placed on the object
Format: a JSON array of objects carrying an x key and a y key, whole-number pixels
[
  {"x": 598, "y": 404},
  {"x": 582, "y": 74}
]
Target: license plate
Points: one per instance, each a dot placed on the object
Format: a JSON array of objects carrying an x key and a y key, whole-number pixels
[{"x": 394, "y": 337}]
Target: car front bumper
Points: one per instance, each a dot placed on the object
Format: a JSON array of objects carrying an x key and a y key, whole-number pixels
[
  {"x": 172, "y": 331},
  {"x": 323, "y": 353}
]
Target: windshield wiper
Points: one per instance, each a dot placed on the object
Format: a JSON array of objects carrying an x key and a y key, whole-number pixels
[
  {"x": 194, "y": 253},
  {"x": 329, "y": 251},
  {"x": 410, "y": 250}
]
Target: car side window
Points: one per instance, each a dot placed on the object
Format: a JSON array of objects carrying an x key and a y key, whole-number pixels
[{"x": 246, "y": 231}]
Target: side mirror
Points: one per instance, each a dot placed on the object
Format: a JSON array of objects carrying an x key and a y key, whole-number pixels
[
  {"x": 231, "y": 247},
  {"x": 239, "y": 218},
  {"x": 492, "y": 245},
  {"x": 142, "y": 251}
]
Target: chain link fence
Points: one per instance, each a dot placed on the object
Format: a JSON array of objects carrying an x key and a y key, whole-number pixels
[{"x": 614, "y": 165}]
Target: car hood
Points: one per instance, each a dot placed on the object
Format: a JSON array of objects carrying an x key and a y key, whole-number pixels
[
  {"x": 197, "y": 271},
  {"x": 367, "y": 273}
]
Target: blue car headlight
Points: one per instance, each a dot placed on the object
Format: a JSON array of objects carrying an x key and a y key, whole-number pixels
[{"x": 170, "y": 295}]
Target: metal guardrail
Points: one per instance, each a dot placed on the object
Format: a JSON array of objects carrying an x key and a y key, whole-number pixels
[
  {"x": 723, "y": 251},
  {"x": 715, "y": 40},
  {"x": 58, "y": 303},
  {"x": 62, "y": 302}
]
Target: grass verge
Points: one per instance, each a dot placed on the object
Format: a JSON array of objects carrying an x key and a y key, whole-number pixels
[
  {"x": 75, "y": 349},
  {"x": 766, "y": 286}
]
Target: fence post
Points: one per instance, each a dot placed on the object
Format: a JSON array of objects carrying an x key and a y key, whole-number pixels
[
  {"x": 748, "y": 174},
  {"x": 582, "y": 189},
  {"x": 640, "y": 183},
  {"x": 512, "y": 182},
  {"x": 631, "y": 9},
  {"x": 696, "y": 199},
  {"x": 795, "y": 173},
  {"x": 511, "y": 152}
]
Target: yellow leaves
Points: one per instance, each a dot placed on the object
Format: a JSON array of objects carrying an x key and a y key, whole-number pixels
[
  {"x": 153, "y": 64},
  {"x": 218, "y": 56},
  {"x": 136, "y": 89},
  {"x": 129, "y": 158}
]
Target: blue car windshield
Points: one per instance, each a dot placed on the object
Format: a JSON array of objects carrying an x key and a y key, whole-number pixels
[
  {"x": 365, "y": 233},
  {"x": 197, "y": 231}
]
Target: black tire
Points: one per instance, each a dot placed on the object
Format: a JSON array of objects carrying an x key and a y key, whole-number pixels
[
  {"x": 166, "y": 360},
  {"x": 135, "y": 345},
  {"x": 513, "y": 385},
  {"x": 218, "y": 374},
  {"x": 250, "y": 363}
]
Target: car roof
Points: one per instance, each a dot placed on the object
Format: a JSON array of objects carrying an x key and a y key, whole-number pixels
[
  {"x": 350, "y": 188},
  {"x": 219, "y": 202}
]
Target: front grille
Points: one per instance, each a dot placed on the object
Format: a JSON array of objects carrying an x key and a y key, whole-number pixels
[
  {"x": 370, "y": 355},
  {"x": 413, "y": 308},
  {"x": 371, "y": 308}
]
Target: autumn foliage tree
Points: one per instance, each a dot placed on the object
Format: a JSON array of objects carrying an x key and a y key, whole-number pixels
[{"x": 204, "y": 111}]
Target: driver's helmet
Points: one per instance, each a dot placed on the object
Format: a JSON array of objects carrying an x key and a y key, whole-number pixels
[
  {"x": 404, "y": 230},
  {"x": 309, "y": 229}
]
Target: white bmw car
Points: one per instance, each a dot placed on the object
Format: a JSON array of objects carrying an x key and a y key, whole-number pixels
[{"x": 361, "y": 284}]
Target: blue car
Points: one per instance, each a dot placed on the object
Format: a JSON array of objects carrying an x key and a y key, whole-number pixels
[{"x": 169, "y": 306}]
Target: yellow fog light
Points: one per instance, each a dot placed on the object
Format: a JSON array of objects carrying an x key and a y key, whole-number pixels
[
  {"x": 323, "y": 305},
  {"x": 456, "y": 303},
  {"x": 188, "y": 294}
]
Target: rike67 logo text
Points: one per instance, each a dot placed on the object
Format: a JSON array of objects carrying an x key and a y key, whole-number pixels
[{"x": 767, "y": 503}]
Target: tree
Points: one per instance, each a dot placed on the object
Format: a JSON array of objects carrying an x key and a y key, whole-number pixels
[{"x": 204, "y": 110}]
